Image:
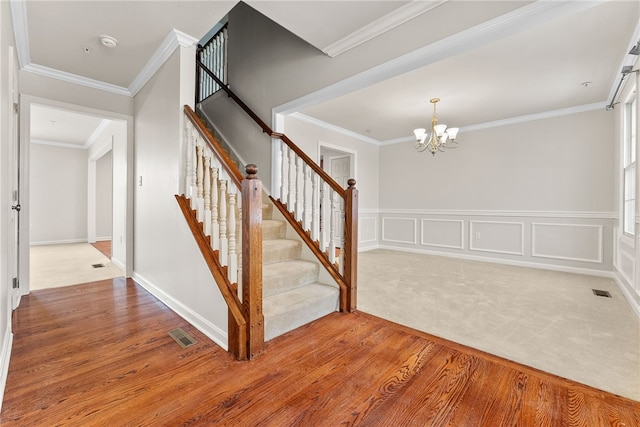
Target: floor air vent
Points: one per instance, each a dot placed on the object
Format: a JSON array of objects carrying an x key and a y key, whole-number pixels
[
  {"x": 599, "y": 293},
  {"x": 97, "y": 265},
  {"x": 182, "y": 338}
]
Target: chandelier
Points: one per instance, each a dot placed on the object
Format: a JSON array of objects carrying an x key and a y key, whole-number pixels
[{"x": 440, "y": 138}]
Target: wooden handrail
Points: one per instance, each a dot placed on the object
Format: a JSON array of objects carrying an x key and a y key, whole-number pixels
[
  {"x": 266, "y": 129},
  {"x": 214, "y": 145}
]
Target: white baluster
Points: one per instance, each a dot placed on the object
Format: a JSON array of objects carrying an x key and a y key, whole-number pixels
[
  {"x": 324, "y": 212},
  {"x": 299, "y": 189},
  {"x": 308, "y": 189},
  {"x": 233, "y": 257},
  {"x": 239, "y": 239},
  {"x": 291, "y": 202},
  {"x": 215, "y": 224},
  {"x": 332, "y": 228},
  {"x": 284, "y": 179},
  {"x": 199, "y": 184},
  {"x": 207, "y": 196},
  {"x": 341, "y": 229},
  {"x": 315, "y": 214},
  {"x": 193, "y": 189},
  {"x": 223, "y": 223},
  {"x": 188, "y": 159}
]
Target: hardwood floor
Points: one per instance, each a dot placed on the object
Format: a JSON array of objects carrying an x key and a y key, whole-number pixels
[
  {"x": 103, "y": 246},
  {"x": 99, "y": 355}
]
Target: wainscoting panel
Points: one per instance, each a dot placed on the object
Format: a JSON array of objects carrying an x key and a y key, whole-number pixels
[
  {"x": 443, "y": 233},
  {"x": 367, "y": 230},
  {"x": 497, "y": 237},
  {"x": 399, "y": 230},
  {"x": 572, "y": 242},
  {"x": 579, "y": 242}
]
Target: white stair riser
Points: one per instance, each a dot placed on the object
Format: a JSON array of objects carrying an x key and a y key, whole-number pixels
[
  {"x": 280, "y": 250},
  {"x": 282, "y": 276},
  {"x": 272, "y": 230}
]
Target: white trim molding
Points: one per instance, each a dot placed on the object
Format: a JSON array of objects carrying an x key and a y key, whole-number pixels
[
  {"x": 380, "y": 26},
  {"x": 460, "y": 245},
  {"x": 5, "y": 356},
  {"x": 599, "y": 245},
  {"x": 203, "y": 325},
  {"x": 520, "y": 252},
  {"x": 412, "y": 220},
  {"x": 171, "y": 42},
  {"x": 502, "y": 213}
]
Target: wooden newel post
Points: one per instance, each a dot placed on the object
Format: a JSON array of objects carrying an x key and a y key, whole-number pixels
[
  {"x": 351, "y": 244},
  {"x": 252, "y": 260}
]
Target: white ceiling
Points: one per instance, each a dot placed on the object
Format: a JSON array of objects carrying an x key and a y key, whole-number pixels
[{"x": 486, "y": 60}]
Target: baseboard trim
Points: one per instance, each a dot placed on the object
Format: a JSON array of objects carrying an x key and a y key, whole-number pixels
[
  {"x": 203, "y": 325},
  {"x": 58, "y": 242},
  {"x": 118, "y": 264},
  {"x": 622, "y": 285},
  {"x": 541, "y": 266},
  {"x": 5, "y": 356}
]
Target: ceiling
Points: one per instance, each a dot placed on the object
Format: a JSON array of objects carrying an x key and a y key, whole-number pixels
[{"x": 488, "y": 61}]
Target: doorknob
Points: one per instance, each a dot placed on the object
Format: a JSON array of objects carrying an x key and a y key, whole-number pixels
[{"x": 16, "y": 207}]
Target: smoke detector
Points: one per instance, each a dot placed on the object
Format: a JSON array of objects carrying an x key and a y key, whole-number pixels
[{"x": 109, "y": 41}]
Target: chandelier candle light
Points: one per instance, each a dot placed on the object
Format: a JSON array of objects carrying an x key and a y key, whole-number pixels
[{"x": 440, "y": 138}]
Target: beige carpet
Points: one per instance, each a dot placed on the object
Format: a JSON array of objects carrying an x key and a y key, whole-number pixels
[
  {"x": 53, "y": 266},
  {"x": 546, "y": 319}
]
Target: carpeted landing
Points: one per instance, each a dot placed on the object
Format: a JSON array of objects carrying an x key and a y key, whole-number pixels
[{"x": 53, "y": 266}]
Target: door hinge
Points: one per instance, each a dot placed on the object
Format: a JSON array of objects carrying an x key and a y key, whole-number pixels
[
  {"x": 16, "y": 108},
  {"x": 16, "y": 283}
]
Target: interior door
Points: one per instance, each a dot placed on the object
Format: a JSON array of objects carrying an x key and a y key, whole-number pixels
[
  {"x": 340, "y": 171},
  {"x": 14, "y": 237}
]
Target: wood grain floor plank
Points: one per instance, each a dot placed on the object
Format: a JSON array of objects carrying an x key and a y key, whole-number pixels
[{"x": 99, "y": 354}]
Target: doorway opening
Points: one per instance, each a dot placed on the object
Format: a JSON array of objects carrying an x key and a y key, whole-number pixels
[{"x": 77, "y": 179}]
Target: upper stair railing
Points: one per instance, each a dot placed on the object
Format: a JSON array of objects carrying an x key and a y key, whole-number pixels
[
  {"x": 213, "y": 54},
  {"x": 324, "y": 214},
  {"x": 224, "y": 212}
]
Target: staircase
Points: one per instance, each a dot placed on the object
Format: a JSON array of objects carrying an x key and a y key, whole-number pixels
[{"x": 292, "y": 295}]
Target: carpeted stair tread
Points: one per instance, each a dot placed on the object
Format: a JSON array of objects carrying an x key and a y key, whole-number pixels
[
  {"x": 280, "y": 250},
  {"x": 282, "y": 276},
  {"x": 289, "y": 310},
  {"x": 273, "y": 229}
]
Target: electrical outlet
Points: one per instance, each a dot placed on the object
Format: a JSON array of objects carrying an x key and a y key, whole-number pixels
[{"x": 477, "y": 235}]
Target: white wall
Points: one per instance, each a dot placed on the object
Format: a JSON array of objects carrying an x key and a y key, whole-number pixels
[
  {"x": 167, "y": 260},
  {"x": 537, "y": 193},
  {"x": 559, "y": 164},
  {"x": 58, "y": 197},
  {"x": 104, "y": 197}
]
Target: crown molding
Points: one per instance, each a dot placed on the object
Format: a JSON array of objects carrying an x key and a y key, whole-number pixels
[
  {"x": 497, "y": 123},
  {"x": 57, "y": 144},
  {"x": 508, "y": 24},
  {"x": 76, "y": 79},
  {"x": 537, "y": 116},
  {"x": 20, "y": 30},
  {"x": 104, "y": 124},
  {"x": 334, "y": 128},
  {"x": 381, "y": 26},
  {"x": 171, "y": 42}
]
